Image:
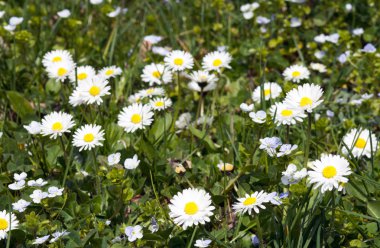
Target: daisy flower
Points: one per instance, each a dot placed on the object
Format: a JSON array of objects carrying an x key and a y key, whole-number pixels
[
  {"x": 216, "y": 60},
  {"x": 56, "y": 57},
  {"x": 306, "y": 97},
  {"x": 88, "y": 137},
  {"x": 329, "y": 172},
  {"x": 60, "y": 71},
  {"x": 179, "y": 60},
  {"x": 285, "y": 114},
  {"x": 191, "y": 207},
  {"x": 8, "y": 221},
  {"x": 202, "y": 81},
  {"x": 83, "y": 73},
  {"x": 56, "y": 123},
  {"x": 271, "y": 91},
  {"x": 296, "y": 73},
  {"x": 33, "y": 128},
  {"x": 136, "y": 116},
  {"x": 93, "y": 90},
  {"x": 150, "y": 92},
  {"x": 77, "y": 98},
  {"x": 132, "y": 163},
  {"x": 160, "y": 103},
  {"x": 110, "y": 72},
  {"x": 225, "y": 166},
  {"x": 251, "y": 202},
  {"x": 359, "y": 143},
  {"x": 156, "y": 74},
  {"x": 318, "y": 67}
]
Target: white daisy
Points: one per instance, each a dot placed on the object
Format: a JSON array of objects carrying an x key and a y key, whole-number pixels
[
  {"x": 271, "y": 91},
  {"x": 88, "y": 137},
  {"x": 296, "y": 73},
  {"x": 20, "y": 205},
  {"x": 38, "y": 196},
  {"x": 83, "y": 73},
  {"x": 132, "y": 163},
  {"x": 135, "y": 98},
  {"x": 191, "y": 207},
  {"x": 285, "y": 114},
  {"x": 41, "y": 240},
  {"x": 77, "y": 98},
  {"x": 150, "y": 92},
  {"x": 8, "y": 221},
  {"x": 318, "y": 67},
  {"x": 329, "y": 172},
  {"x": 110, "y": 72},
  {"x": 33, "y": 128},
  {"x": 160, "y": 103},
  {"x": 225, "y": 166},
  {"x": 113, "y": 159},
  {"x": 136, "y": 116},
  {"x": 17, "y": 185},
  {"x": 56, "y": 57},
  {"x": 93, "y": 90},
  {"x": 179, "y": 60},
  {"x": 359, "y": 143},
  {"x": 305, "y": 97},
  {"x": 251, "y": 202},
  {"x": 60, "y": 71},
  {"x": 37, "y": 183},
  {"x": 56, "y": 123},
  {"x": 202, "y": 81},
  {"x": 216, "y": 60},
  {"x": 156, "y": 74}
]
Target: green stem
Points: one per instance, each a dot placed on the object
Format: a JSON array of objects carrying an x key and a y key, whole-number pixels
[
  {"x": 65, "y": 159},
  {"x": 192, "y": 237},
  {"x": 307, "y": 149},
  {"x": 98, "y": 187},
  {"x": 259, "y": 230}
]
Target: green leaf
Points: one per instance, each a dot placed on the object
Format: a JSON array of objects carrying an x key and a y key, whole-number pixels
[
  {"x": 202, "y": 135},
  {"x": 20, "y": 105},
  {"x": 160, "y": 125},
  {"x": 373, "y": 209}
]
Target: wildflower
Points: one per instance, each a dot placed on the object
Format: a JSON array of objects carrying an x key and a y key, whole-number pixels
[
  {"x": 191, "y": 207},
  {"x": 248, "y": 9},
  {"x": 286, "y": 149},
  {"x": 38, "y": 195},
  {"x": 296, "y": 73},
  {"x": 270, "y": 144},
  {"x": 305, "y": 97},
  {"x": 150, "y": 92},
  {"x": 271, "y": 91},
  {"x": 359, "y": 143},
  {"x": 54, "y": 191},
  {"x": 179, "y": 60},
  {"x": 246, "y": 108},
  {"x": 320, "y": 54},
  {"x": 19, "y": 177},
  {"x": 56, "y": 123},
  {"x": 358, "y": 31},
  {"x": 156, "y": 74},
  {"x": 368, "y": 48},
  {"x": 56, "y": 57},
  {"x": 183, "y": 121},
  {"x": 225, "y": 166},
  {"x": 295, "y": 22},
  {"x": 153, "y": 225},
  {"x": 109, "y": 72},
  {"x": 285, "y": 114},
  {"x": 255, "y": 240},
  {"x": 92, "y": 90},
  {"x": 113, "y": 158},
  {"x": 343, "y": 57},
  {"x": 318, "y": 67},
  {"x": 20, "y": 205},
  {"x": 37, "y": 183},
  {"x": 61, "y": 70},
  {"x": 216, "y": 61},
  {"x": 292, "y": 176},
  {"x": 251, "y": 202},
  {"x": 15, "y": 20},
  {"x": 57, "y": 235},
  {"x": 8, "y": 221},
  {"x": 83, "y": 73},
  {"x": 202, "y": 81},
  {"x": 163, "y": 51},
  {"x": 202, "y": 243},
  {"x": 41, "y": 240},
  {"x": 33, "y": 128},
  {"x": 160, "y": 103},
  {"x": 133, "y": 232},
  {"x": 96, "y": 2},
  {"x": 258, "y": 117},
  {"x": 17, "y": 185},
  {"x": 134, "y": 117},
  {"x": 64, "y": 13},
  {"x": 132, "y": 163}
]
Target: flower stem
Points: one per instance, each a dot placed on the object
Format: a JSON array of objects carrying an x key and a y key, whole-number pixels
[
  {"x": 65, "y": 159},
  {"x": 307, "y": 148},
  {"x": 98, "y": 187},
  {"x": 192, "y": 237}
]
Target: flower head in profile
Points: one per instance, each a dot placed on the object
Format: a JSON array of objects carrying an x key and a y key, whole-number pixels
[
  {"x": 296, "y": 73},
  {"x": 151, "y": 92},
  {"x": 191, "y": 207},
  {"x": 156, "y": 74},
  {"x": 56, "y": 123},
  {"x": 202, "y": 81},
  {"x": 8, "y": 221},
  {"x": 134, "y": 117},
  {"x": 33, "y": 128},
  {"x": 217, "y": 60},
  {"x": 88, "y": 137},
  {"x": 179, "y": 60},
  {"x": 359, "y": 143},
  {"x": 305, "y": 97}
]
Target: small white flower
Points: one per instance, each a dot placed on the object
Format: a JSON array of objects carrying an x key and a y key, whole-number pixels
[
  {"x": 160, "y": 103},
  {"x": 216, "y": 61},
  {"x": 156, "y": 74},
  {"x": 20, "y": 205},
  {"x": 88, "y": 137},
  {"x": 64, "y": 13},
  {"x": 56, "y": 123},
  {"x": 318, "y": 67},
  {"x": 258, "y": 117},
  {"x": 246, "y": 108},
  {"x": 296, "y": 73},
  {"x": 348, "y": 7},
  {"x": 358, "y": 31},
  {"x": 133, "y": 232},
  {"x": 284, "y": 114},
  {"x": 38, "y": 195},
  {"x": 251, "y": 202},
  {"x": 320, "y": 54},
  {"x": 202, "y": 81},
  {"x": 93, "y": 90},
  {"x": 225, "y": 166},
  {"x": 9, "y": 28},
  {"x": 96, "y": 2},
  {"x": 262, "y": 20},
  {"x": 286, "y": 149},
  {"x": 131, "y": 163},
  {"x": 271, "y": 91},
  {"x": 60, "y": 71},
  {"x": 183, "y": 121},
  {"x": 113, "y": 158},
  {"x": 57, "y": 235},
  {"x": 14, "y": 20},
  {"x": 41, "y": 240},
  {"x": 17, "y": 185},
  {"x": 153, "y": 39},
  {"x": 114, "y": 13},
  {"x": 110, "y": 72},
  {"x": 270, "y": 144},
  {"x": 163, "y": 51},
  {"x": 56, "y": 57},
  {"x": 33, "y": 128},
  {"x": 134, "y": 117},
  {"x": 295, "y": 22},
  {"x": 19, "y": 177},
  {"x": 83, "y": 73},
  {"x": 202, "y": 243},
  {"x": 54, "y": 191},
  {"x": 2, "y": 13},
  {"x": 37, "y": 183},
  {"x": 179, "y": 60},
  {"x": 8, "y": 222}
]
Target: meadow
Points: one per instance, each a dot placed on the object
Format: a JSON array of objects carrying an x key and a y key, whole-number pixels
[{"x": 202, "y": 123}]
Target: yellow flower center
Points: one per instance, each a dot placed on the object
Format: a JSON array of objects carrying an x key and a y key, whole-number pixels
[
  {"x": 82, "y": 76},
  {"x": 191, "y": 208},
  {"x": 88, "y": 137},
  {"x": 329, "y": 171},
  {"x": 109, "y": 72},
  {"x": 305, "y": 101},
  {"x": 3, "y": 224},
  {"x": 296, "y": 74},
  {"x": 94, "y": 90},
  {"x": 57, "y": 126},
  {"x": 62, "y": 71},
  {"x": 156, "y": 74},
  {"x": 267, "y": 92},
  {"x": 217, "y": 62},
  {"x": 249, "y": 201},
  {"x": 360, "y": 143},
  {"x": 136, "y": 118},
  {"x": 159, "y": 104},
  {"x": 178, "y": 61},
  {"x": 227, "y": 167},
  {"x": 150, "y": 91},
  {"x": 286, "y": 112},
  {"x": 57, "y": 59}
]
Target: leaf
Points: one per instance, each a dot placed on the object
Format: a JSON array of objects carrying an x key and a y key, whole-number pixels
[
  {"x": 373, "y": 209},
  {"x": 160, "y": 125},
  {"x": 203, "y": 137},
  {"x": 88, "y": 237},
  {"x": 20, "y": 105}
]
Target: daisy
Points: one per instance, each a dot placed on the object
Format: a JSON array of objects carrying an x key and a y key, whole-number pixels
[
  {"x": 179, "y": 60},
  {"x": 216, "y": 60},
  {"x": 136, "y": 116},
  {"x": 358, "y": 143},
  {"x": 113, "y": 158},
  {"x": 93, "y": 90},
  {"x": 296, "y": 73},
  {"x": 251, "y": 202},
  {"x": 183, "y": 121},
  {"x": 271, "y": 91},
  {"x": 285, "y": 114},
  {"x": 135, "y": 98},
  {"x": 110, "y": 72},
  {"x": 132, "y": 163},
  {"x": 150, "y": 92},
  {"x": 8, "y": 221},
  {"x": 156, "y": 74},
  {"x": 202, "y": 81},
  {"x": 225, "y": 166},
  {"x": 83, "y": 73},
  {"x": 191, "y": 207},
  {"x": 56, "y": 57},
  {"x": 318, "y": 67},
  {"x": 133, "y": 232},
  {"x": 56, "y": 123},
  {"x": 305, "y": 98},
  {"x": 329, "y": 172},
  {"x": 37, "y": 196},
  {"x": 77, "y": 98},
  {"x": 88, "y": 137},
  {"x": 33, "y": 128},
  {"x": 41, "y": 240},
  {"x": 60, "y": 71},
  {"x": 20, "y": 205},
  {"x": 160, "y": 103}
]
